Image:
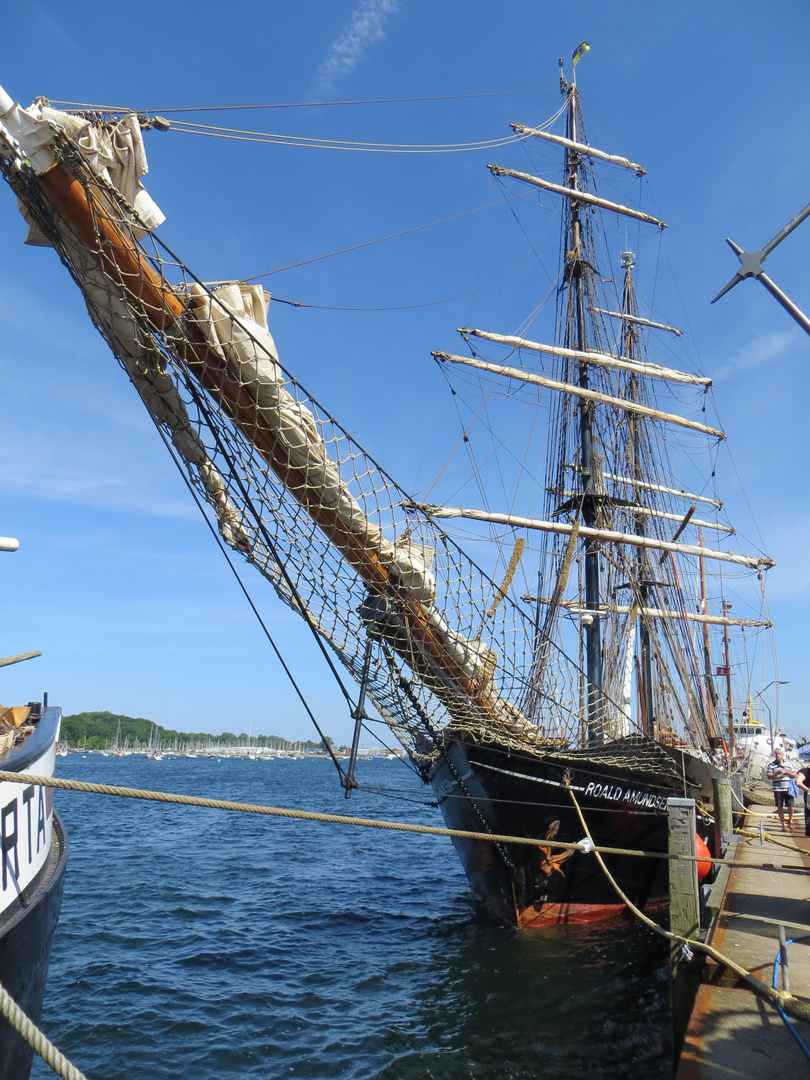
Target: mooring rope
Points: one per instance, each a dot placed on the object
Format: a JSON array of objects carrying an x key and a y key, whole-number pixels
[
  {"x": 794, "y": 1006},
  {"x": 585, "y": 846},
  {"x": 747, "y": 809},
  {"x": 286, "y": 812},
  {"x": 35, "y": 1038}
]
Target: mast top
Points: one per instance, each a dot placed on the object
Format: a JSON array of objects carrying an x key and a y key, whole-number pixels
[
  {"x": 563, "y": 80},
  {"x": 628, "y": 260}
]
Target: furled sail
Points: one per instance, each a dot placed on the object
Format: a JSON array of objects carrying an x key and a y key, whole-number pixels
[
  {"x": 362, "y": 569},
  {"x": 436, "y": 642}
]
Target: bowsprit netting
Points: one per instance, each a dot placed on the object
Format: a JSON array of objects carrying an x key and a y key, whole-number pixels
[{"x": 340, "y": 542}]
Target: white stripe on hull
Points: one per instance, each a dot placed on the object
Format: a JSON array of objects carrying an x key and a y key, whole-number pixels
[{"x": 26, "y": 825}]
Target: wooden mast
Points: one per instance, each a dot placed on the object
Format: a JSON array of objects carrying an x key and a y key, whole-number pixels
[
  {"x": 731, "y": 739},
  {"x": 710, "y": 690},
  {"x": 629, "y": 349},
  {"x": 593, "y": 631}
]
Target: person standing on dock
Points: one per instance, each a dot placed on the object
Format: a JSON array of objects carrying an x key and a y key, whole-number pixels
[
  {"x": 780, "y": 776},
  {"x": 803, "y": 784}
]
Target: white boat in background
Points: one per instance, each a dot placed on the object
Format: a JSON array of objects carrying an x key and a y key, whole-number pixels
[{"x": 754, "y": 749}]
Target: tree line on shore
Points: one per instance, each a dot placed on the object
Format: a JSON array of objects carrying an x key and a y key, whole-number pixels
[{"x": 102, "y": 730}]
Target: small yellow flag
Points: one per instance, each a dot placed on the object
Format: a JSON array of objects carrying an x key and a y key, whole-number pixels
[{"x": 579, "y": 52}]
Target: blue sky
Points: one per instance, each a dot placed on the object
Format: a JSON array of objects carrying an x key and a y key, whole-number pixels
[{"x": 117, "y": 579}]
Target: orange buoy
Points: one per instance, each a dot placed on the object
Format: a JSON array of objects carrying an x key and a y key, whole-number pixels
[{"x": 704, "y": 856}]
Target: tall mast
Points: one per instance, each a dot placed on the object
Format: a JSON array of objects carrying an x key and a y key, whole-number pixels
[
  {"x": 711, "y": 693},
  {"x": 726, "y": 609},
  {"x": 593, "y": 634},
  {"x": 629, "y": 349}
]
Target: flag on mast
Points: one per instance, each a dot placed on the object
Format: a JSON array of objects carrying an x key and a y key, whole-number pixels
[{"x": 579, "y": 52}]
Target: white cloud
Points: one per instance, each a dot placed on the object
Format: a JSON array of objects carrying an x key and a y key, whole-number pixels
[
  {"x": 366, "y": 28},
  {"x": 761, "y": 350},
  {"x": 94, "y": 485}
]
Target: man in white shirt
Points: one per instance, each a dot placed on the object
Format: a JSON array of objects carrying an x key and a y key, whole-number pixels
[{"x": 780, "y": 776}]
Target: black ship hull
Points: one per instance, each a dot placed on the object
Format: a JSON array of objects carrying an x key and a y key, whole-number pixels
[
  {"x": 622, "y": 793},
  {"x": 26, "y": 934},
  {"x": 33, "y": 859}
]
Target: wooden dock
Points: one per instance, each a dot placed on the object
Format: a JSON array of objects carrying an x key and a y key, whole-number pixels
[{"x": 732, "y": 1031}]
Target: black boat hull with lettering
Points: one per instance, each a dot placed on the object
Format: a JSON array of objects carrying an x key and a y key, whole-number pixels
[{"x": 484, "y": 787}]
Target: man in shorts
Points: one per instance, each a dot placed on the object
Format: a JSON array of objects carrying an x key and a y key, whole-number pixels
[{"x": 780, "y": 776}]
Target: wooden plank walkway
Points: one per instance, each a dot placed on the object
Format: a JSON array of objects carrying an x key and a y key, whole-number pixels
[{"x": 732, "y": 1031}]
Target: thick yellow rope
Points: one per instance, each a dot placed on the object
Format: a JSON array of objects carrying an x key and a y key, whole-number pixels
[
  {"x": 35, "y": 1038},
  {"x": 799, "y": 1008},
  {"x": 345, "y": 819}
]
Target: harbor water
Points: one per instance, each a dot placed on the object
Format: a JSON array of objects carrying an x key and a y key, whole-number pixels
[{"x": 209, "y": 944}]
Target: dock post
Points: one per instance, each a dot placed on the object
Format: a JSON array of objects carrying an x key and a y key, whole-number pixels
[
  {"x": 723, "y": 826},
  {"x": 684, "y": 914}
]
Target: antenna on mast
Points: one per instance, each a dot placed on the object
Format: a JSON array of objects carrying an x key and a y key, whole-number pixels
[{"x": 751, "y": 266}]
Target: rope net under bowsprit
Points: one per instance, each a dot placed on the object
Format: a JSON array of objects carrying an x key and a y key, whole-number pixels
[{"x": 293, "y": 492}]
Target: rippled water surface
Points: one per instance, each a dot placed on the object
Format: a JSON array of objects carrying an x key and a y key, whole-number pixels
[{"x": 201, "y": 943}]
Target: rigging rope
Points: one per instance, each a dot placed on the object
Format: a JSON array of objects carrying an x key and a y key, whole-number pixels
[
  {"x": 299, "y": 693},
  {"x": 274, "y": 138},
  {"x": 381, "y": 239},
  {"x": 397, "y": 307},
  {"x": 305, "y": 104}
]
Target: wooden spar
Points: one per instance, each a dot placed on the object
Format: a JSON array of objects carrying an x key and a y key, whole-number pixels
[
  {"x": 578, "y": 391},
  {"x": 646, "y": 511},
  {"x": 625, "y": 363},
  {"x": 162, "y": 307},
  {"x": 637, "y": 319},
  {"x": 578, "y": 196},
  {"x": 658, "y": 487},
  {"x": 19, "y": 657},
  {"x": 653, "y": 613},
  {"x": 153, "y": 297},
  {"x": 687, "y": 517},
  {"x": 582, "y": 148},
  {"x": 565, "y": 528}
]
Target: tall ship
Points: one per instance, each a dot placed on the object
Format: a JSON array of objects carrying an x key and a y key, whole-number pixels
[{"x": 592, "y": 655}]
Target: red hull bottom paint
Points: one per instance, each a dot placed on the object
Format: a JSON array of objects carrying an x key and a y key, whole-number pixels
[{"x": 563, "y": 914}]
